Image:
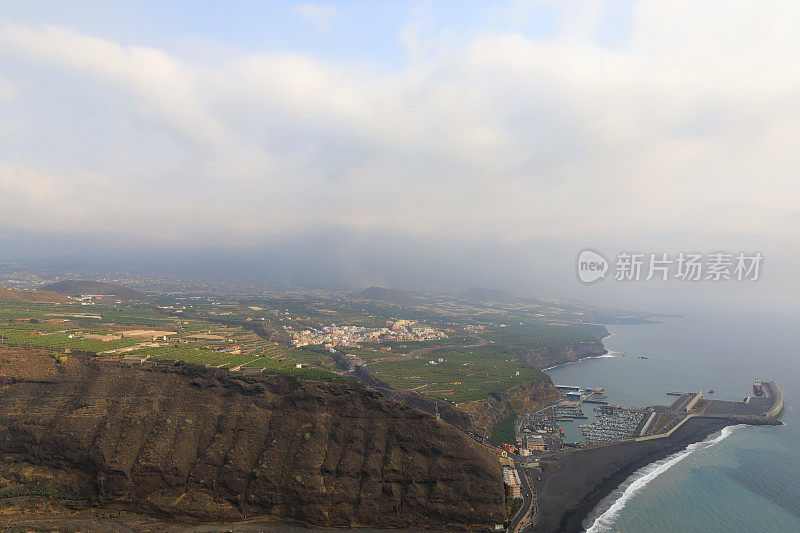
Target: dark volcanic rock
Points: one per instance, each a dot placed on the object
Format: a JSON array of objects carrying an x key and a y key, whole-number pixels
[
  {"x": 433, "y": 406},
  {"x": 207, "y": 445},
  {"x": 524, "y": 398}
]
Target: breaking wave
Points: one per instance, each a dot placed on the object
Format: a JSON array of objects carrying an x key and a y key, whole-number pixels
[
  {"x": 605, "y": 514},
  {"x": 611, "y": 353}
]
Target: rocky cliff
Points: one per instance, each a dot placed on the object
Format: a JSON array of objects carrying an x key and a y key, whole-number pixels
[
  {"x": 557, "y": 355},
  {"x": 485, "y": 414},
  {"x": 200, "y": 445},
  {"x": 433, "y": 406}
]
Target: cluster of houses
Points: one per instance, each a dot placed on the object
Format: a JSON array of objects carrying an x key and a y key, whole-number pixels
[
  {"x": 526, "y": 445},
  {"x": 398, "y": 330},
  {"x": 474, "y": 328}
]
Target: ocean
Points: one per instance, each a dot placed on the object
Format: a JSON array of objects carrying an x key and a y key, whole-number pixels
[{"x": 741, "y": 479}]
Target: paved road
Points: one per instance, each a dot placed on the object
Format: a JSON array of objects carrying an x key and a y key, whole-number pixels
[
  {"x": 522, "y": 519},
  {"x": 524, "y": 516}
]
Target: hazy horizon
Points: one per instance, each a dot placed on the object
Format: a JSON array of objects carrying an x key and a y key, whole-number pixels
[{"x": 419, "y": 146}]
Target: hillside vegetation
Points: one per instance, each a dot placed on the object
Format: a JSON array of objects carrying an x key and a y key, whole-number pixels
[{"x": 7, "y": 293}]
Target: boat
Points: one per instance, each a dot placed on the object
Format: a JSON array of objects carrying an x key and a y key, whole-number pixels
[
  {"x": 711, "y": 391},
  {"x": 758, "y": 389}
]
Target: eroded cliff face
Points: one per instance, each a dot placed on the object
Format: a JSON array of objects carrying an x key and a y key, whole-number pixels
[
  {"x": 557, "y": 355},
  {"x": 433, "y": 406},
  {"x": 207, "y": 445},
  {"x": 485, "y": 414}
]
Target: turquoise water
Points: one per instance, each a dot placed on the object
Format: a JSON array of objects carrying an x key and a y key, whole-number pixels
[{"x": 745, "y": 479}]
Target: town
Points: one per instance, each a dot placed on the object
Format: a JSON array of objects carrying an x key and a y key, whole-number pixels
[{"x": 333, "y": 335}]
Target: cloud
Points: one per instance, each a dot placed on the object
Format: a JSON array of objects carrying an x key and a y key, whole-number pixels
[
  {"x": 681, "y": 137},
  {"x": 319, "y": 16}
]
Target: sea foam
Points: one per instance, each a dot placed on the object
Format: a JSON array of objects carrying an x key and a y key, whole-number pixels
[
  {"x": 611, "y": 353},
  {"x": 610, "y": 507}
]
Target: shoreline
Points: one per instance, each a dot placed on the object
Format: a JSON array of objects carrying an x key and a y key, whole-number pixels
[
  {"x": 604, "y": 353},
  {"x": 571, "y": 488},
  {"x": 609, "y": 353}
]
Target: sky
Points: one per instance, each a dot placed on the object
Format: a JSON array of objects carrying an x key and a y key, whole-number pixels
[{"x": 419, "y": 145}]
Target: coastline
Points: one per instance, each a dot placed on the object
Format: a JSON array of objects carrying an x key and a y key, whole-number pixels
[
  {"x": 572, "y": 487},
  {"x": 609, "y": 353}
]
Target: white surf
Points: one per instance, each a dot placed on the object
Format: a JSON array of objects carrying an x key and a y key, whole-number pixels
[{"x": 610, "y": 507}]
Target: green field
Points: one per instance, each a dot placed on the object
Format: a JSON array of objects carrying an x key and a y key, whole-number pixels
[
  {"x": 272, "y": 366},
  {"x": 194, "y": 355},
  {"x": 280, "y": 359},
  {"x": 14, "y": 336},
  {"x": 466, "y": 374},
  {"x": 542, "y": 335}
]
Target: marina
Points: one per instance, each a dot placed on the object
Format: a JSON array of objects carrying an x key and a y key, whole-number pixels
[
  {"x": 614, "y": 432},
  {"x": 571, "y": 422},
  {"x": 612, "y": 423},
  {"x": 685, "y": 357}
]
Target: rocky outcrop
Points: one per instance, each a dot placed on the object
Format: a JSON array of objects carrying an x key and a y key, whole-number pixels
[
  {"x": 557, "y": 355},
  {"x": 433, "y": 406},
  {"x": 524, "y": 398},
  {"x": 202, "y": 445}
]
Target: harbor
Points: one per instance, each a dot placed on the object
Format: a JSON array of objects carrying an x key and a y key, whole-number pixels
[
  {"x": 616, "y": 441},
  {"x": 685, "y": 357},
  {"x": 612, "y": 423},
  {"x": 583, "y": 415}
]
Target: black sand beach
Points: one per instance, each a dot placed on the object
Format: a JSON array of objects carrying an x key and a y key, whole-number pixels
[{"x": 571, "y": 487}]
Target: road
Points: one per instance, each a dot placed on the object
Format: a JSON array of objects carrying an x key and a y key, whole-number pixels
[{"x": 524, "y": 515}]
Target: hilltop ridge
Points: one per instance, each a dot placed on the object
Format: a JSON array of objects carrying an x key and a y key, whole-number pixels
[
  {"x": 36, "y": 296},
  {"x": 386, "y": 295},
  {"x": 79, "y": 287}
]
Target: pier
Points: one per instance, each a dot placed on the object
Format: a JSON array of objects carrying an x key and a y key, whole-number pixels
[{"x": 753, "y": 410}]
